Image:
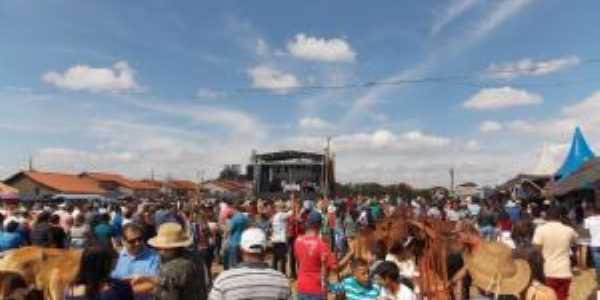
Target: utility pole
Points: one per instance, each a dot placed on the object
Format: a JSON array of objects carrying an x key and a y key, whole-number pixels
[
  {"x": 452, "y": 180},
  {"x": 30, "y": 163}
]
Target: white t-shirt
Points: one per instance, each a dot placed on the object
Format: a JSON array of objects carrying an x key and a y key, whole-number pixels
[
  {"x": 280, "y": 227},
  {"x": 403, "y": 293},
  {"x": 592, "y": 223},
  {"x": 407, "y": 267},
  {"x": 555, "y": 239}
]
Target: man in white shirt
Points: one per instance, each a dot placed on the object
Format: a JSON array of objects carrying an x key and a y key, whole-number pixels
[
  {"x": 592, "y": 224},
  {"x": 555, "y": 240},
  {"x": 279, "y": 237}
]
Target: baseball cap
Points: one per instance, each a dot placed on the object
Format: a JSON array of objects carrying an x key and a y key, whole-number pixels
[
  {"x": 314, "y": 219},
  {"x": 253, "y": 240}
]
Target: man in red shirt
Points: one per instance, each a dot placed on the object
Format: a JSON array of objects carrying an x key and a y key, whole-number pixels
[{"x": 315, "y": 261}]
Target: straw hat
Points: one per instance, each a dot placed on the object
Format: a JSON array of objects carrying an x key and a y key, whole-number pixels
[
  {"x": 538, "y": 291},
  {"x": 170, "y": 235},
  {"x": 493, "y": 269}
]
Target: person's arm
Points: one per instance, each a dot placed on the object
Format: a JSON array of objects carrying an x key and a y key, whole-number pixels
[{"x": 144, "y": 285}]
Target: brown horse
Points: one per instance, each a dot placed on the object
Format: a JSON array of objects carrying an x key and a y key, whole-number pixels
[
  {"x": 48, "y": 270},
  {"x": 432, "y": 241}
]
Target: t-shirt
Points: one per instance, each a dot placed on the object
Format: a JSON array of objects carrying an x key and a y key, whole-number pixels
[
  {"x": 279, "y": 228},
  {"x": 237, "y": 225},
  {"x": 403, "y": 293},
  {"x": 592, "y": 223},
  {"x": 309, "y": 251},
  {"x": 555, "y": 239},
  {"x": 10, "y": 240}
]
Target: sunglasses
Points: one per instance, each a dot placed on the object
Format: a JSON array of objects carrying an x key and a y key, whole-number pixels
[{"x": 134, "y": 240}]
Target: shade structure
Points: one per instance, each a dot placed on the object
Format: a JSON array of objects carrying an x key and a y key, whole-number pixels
[{"x": 578, "y": 155}]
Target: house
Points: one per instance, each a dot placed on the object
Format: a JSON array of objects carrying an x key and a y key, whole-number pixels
[
  {"x": 36, "y": 184},
  {"x": 226, "y": 187},
  {"x": 182, "y": 188},
  {"x": 118, "y": 186}
]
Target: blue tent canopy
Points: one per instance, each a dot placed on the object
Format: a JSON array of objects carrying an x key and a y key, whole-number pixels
[{"x": 580, "y": 153}]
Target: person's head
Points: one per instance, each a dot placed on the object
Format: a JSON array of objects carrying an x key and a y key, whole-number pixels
[
  {"x": 553, "y": 213},
  {"x": 360, "y": 271},
  {"x": 55, "y": 219},
  {"x": 389, "y": 274},
  {"x": 314, "y": 220},
  {"x": 253, "y": 244},
  {"x": 379, "y": 250},
  {"x": 133, "y": 237},
  {"x": 95, "y": 267},
  {"x": 12, "y": 226},
  {"x": 43, "y": 217},
  {"x": 10, "y": 283}
]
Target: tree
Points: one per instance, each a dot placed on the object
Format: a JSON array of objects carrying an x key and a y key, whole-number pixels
[{"x": 230, "y": 172}]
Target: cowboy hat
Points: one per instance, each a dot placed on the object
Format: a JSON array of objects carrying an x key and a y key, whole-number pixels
[
  {"x": 493, "y": 269},
  {"x": 170, "y": 235}
]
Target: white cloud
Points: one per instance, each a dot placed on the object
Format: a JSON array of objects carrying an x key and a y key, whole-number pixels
[
  {"x": 453, "y": 11},
  {"x": 501, "y": 98},
  {"x": 321, "y": 49},
  {"x": 588, "y": 107},
  {"x": 529, "y": 67},
  {"x": 490, "y": 126},
  {"x": 313, "y": 123},
  {"x": 209, "y": 94},
  {"x": 119, "y": 78},
  {"x": 266, "y": 77},
  {"x": 501, "y": 12}
]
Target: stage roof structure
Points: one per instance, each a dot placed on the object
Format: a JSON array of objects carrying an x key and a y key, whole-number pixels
[{"x": 578, "y": 155}]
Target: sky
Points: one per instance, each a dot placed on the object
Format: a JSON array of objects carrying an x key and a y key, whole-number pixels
[{"x": 406, "y": 89}]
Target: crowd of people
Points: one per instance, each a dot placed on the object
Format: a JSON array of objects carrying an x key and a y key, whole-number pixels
[{"x": 306, "y": 249}]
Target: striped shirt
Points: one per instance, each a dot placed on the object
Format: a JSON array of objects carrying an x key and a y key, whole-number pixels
[
  {"x": 354, "y": 290},
  {"x": 251, "y": 281}
]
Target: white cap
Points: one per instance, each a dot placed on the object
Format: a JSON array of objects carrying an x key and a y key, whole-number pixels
[{"x": 253, "y": 240}]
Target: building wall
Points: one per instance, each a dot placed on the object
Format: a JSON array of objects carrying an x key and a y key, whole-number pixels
[{"x": 29, "y": 188}]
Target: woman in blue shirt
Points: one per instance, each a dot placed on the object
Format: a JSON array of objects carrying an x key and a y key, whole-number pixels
[{"x": 10, "y": 238}]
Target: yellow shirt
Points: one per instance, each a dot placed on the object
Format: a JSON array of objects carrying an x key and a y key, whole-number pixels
[{"x": 555, "y": 239}]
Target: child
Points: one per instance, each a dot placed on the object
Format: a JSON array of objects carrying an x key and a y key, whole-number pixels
[
  {"x": 358, "y": 286},
  {"x": 393, "y": 289}
]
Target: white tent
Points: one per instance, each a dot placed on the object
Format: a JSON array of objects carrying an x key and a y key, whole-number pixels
[{"x": 546, "y": 164}]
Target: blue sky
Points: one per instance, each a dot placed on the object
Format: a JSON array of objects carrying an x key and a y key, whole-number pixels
[{"x": 183, "y": 87}]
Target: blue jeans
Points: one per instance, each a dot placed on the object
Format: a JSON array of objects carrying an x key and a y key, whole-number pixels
[
  {"x": 310, "y": 297},
  {"x": 596, "y": 257}
]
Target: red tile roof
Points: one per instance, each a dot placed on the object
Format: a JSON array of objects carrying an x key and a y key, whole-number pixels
[
  {"x": 64, "y": 183},
  {"x": 120, "y": 180}
]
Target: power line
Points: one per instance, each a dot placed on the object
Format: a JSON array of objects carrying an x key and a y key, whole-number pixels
[{"x": 474, "y": 79}]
